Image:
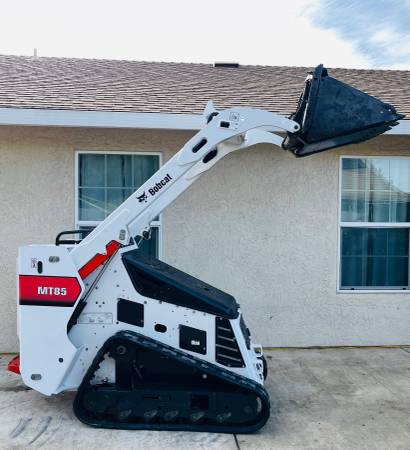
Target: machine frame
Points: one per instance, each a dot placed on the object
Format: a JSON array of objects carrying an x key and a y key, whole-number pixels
[{"x": 74, "y": 278}]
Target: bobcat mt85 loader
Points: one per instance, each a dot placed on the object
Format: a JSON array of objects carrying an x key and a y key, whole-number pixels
[{"x": 145, "y": 345}]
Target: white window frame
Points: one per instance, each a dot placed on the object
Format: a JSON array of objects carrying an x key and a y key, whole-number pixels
[
  {"x": 341, "y": 224},
  {"x": 91, "y": 223}
]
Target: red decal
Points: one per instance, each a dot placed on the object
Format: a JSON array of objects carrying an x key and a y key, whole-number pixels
[
  {"x": 48, "y": 291},
  {"x": 14, "y": 365},
  {"x": 98, "y": 259}
]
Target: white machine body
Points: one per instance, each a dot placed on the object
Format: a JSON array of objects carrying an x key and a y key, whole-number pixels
[{"x": 54, "y": 280}]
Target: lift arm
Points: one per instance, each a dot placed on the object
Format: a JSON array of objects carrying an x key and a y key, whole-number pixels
[
  {"x": 329, "y": 114},
  {"x": 227, "y": 131}
]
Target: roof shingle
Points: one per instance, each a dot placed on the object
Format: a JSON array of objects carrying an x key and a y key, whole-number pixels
[{"x": 112, "y": 85}]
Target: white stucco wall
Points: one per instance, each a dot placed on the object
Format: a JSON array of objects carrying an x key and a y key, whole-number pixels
[{"x": 261, "y": 225}]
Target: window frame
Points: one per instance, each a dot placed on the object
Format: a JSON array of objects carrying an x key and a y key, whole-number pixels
[
  {"x": 342, "y": 224},
  {"x": 92, "y": 223}
]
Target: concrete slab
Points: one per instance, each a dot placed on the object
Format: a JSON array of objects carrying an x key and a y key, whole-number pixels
[
  {"x": 31, "y": 420},
  {"x": 336, "y": 399},
  {"x": 321, "y": 399}
]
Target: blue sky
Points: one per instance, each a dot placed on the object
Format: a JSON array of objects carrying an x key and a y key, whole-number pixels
[
  {"x": 378, "y": 29},
  {"x": 337, "y": 33}
]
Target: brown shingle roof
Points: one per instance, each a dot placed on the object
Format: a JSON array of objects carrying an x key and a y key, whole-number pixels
[{"x": 111, "y": 85}]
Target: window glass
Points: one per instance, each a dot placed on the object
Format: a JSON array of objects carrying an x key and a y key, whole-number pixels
[
  {"x": 92, "y": 204},
  {"x": 119, "y": 171},
  {"x": 106, "y": 180},
  {"x": 354, "y": 174},
  {"x": 144, "y": 168},
  {"x": 374, "y": 257},
  {"x": 400, "y": 190},
  {"x": 115, "y": 196},
  {"x": 375, "y": 190},
  {"x": 378, "y": 173},
  {"x": 92, "y": 170}
]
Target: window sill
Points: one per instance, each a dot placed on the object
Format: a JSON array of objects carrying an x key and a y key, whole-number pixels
[{"x": 372, "y": 291}]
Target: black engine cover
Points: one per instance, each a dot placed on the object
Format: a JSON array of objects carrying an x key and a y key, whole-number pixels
[{"x": 155, "y": 279}]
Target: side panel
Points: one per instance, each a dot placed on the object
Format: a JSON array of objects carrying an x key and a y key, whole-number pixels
[
  {"x": 105, "y": 315},
  {"x": 49, "y": 288}
]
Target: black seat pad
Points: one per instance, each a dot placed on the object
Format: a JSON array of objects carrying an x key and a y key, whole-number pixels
[{"x": 155, "y": 279}]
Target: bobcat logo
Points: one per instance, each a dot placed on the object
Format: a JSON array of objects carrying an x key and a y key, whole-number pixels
[{"x": 143, "y": 197}]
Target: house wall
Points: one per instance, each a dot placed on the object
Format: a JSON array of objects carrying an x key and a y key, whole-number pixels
[{"x": 261, "y": 225}]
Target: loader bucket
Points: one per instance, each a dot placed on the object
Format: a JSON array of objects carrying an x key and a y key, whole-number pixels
[{"x": 331, "y": 113}]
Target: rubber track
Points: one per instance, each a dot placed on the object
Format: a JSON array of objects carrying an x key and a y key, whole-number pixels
[{"x": 184, "y": 358}]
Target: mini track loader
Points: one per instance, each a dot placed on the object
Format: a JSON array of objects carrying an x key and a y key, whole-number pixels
[{"x": 145, "y": 345}]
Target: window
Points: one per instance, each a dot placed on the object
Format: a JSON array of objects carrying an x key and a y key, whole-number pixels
[
  {"x": 375, "y": 223},
  {"x": 105, "y": 180}
]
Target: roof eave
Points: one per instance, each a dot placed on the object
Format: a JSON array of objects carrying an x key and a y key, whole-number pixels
[
  {"x": 111, "y": 119},
  {"x": 99, "y": 119}
]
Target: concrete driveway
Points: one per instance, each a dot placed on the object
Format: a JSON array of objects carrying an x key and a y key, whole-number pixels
[{"x": 321, "y": 399}]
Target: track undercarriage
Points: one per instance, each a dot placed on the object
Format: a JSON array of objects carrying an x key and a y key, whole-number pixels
[{"x": 159, "y": 387}]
